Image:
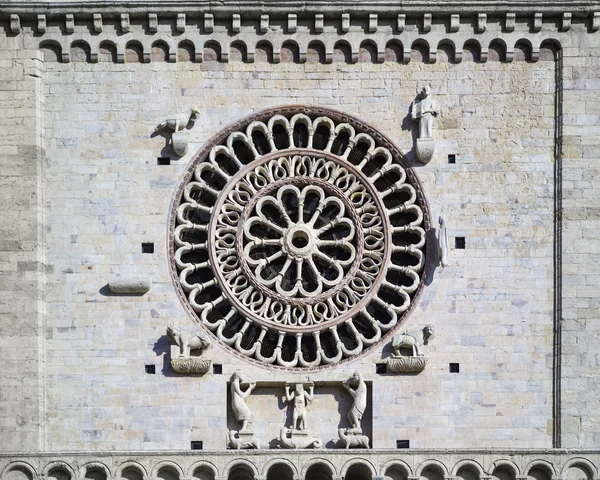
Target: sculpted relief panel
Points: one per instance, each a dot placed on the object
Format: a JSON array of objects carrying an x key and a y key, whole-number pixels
[{"x": 298, "y": 237}]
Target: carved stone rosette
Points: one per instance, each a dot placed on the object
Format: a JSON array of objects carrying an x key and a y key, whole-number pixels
[{"x": 298, "y": 238}]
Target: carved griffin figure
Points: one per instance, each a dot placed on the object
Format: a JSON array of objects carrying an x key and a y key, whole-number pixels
[
  {"x": 187, "y": 341},
  {"x": 179, "y": 122},
  {"x": 406, "y": 340}
]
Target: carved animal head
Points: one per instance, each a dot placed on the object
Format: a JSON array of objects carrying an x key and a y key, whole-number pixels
[{"x": 427, "y": 333}]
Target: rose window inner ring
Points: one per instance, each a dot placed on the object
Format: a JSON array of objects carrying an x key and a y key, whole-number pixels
[{"x": 298, "y": 239}]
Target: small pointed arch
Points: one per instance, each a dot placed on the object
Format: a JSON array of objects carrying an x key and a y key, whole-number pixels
[
  {"x": 472, "y": 51},
  {"x": 550, "y": 50},
  {"x": 540, "y": 470},
  {"x": 447, "y": 52},
  {"x": 290, "y": 52},
  {"x": 263, "y": 52},
  {"x": 211, "y": 51},
  {"x": 203, "y": 470},
  {"x": 396, "y": 470},
  {"x": 523, "y": 50},
  {"x": 132, "y": 470},
  {"x": 503, "y": 470},
  {"x": 394, "y": 51},
  {"x": 315, "y": 53},
  {"x": 419, "y": 51},
  {"x": 107, "y": 52},
  {"x": 238, "y": 51},
  {"x": 134, "y": 52},
  {"x": 342, "y": 52},
  {"x": 160, "y": 51},
  {"x": 51, "y": 51},
  {"x": 579, "y": 468},
  {"x": 432, "y": 470},
  {"x": 361, "y": 468},
  {"x": 367, "y": 52},
  {"x": 18, "y": 471},
  {"x": 95, "y": 471},
  {"x": 497, "y": 51},
  {"x": 242, "y": 467},
  {"x": 186, "y": 51},
  {"x": 80, "y": 52},
  {"x": 319, "y": 467}
]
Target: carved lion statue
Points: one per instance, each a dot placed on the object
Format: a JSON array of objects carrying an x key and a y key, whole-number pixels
[
  {"x": 406, "y": 340},
  {"x": 187, "y": 341}
]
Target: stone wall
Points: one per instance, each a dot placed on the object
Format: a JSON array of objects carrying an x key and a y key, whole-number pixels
[{"x": 104, "y": 195}]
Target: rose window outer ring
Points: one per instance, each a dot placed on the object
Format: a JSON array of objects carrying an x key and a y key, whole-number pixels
[
  {"x": 320, "y": 133},
  {"x": 239, "y": 244}
]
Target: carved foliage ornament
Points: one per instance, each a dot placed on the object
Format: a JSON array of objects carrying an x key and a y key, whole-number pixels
[{"x": 298, "y": 238}]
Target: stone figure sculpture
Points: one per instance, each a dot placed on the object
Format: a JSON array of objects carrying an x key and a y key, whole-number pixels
[
  {"x": 182, "y": 360},
  {"x": 243, "y": 438},
  {"x": 353, "y": 437},
  {"x": 238, "y": 399},
  {"x": 177, "y": 123},
  {"x": 442, "y": 244},
  {"x": 300, "y": 397},
  {"x": 414, "y": 363},
  {"x": 423, "y": 110},
  {"x": 359, "y": 395}
]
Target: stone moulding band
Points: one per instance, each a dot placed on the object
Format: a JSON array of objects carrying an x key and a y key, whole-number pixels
[{"x": 298, "y": 238}]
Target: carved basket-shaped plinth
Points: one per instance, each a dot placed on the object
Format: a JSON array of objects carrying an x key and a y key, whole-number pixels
[
  {"x": 406, "y": 364},
  {"x": 190, "y": 364}
]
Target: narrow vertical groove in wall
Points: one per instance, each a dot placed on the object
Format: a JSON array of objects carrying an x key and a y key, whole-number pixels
[{"x": 557, "y": 320}]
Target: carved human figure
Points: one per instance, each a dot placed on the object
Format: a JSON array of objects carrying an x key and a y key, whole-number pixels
[
  {"x": 359, "y": 395},
  {"x": 422, "y": 110},
  {"x": 238, "y": 399},
  {"x": 300, "y": 397}
]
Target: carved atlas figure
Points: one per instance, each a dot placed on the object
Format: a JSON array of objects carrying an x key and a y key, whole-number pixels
[
  {"x": 238, "y": 399},
  {"x": 187, "y": 341},
  {"x": 300, "y": 397},
  {"x": 359, "y": 395}
]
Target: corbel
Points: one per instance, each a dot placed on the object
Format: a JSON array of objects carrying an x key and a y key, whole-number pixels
[
  {"x": 125, "y": 23},
  {"x": 15, "y": 23},
  {"x": 595, "y": 21},
  {"x": 401, "y": 22},
  {"x": 537, "y": 21},
  {"x": 454, "y": 22},
  {"x": 292, "y": 22},
  {"x": 373, "y": 20},
  {"x": 41, "y": 23},
  {"x": 152, "y": 22},
  {"x": 509, "y": 22},
  {"x": 345, "y": 22},
  {"x": 566, "y": 21},
  {"x": 180, "y": 25},
  {"x": 264, "y": 23},
  {"x": 209, "y": 22},
  {"x": 69, "y": 23},
  {"x": 98, "y": 23},
  {"x": 319, "y": 22},
  {"x": 236, "y": 23},
  {"x": 481, "y": 22},
  {"x": 427, "y": 22}
]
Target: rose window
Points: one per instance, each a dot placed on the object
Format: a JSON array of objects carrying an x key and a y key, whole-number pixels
[{"x": 298, "y": 238}]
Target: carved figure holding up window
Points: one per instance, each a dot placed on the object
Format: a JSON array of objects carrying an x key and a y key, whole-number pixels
[{"x": 301, "y": 398}]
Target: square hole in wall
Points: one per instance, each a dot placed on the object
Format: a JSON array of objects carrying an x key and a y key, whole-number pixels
[
  {"x": 402, "y": 443},
  {"x": 217, "y": 369},
  {"x": 196, "y": 445},
  {"x": 381, "y": 368},
  {"x": 452, "y": 158},
  {"x": 147, "y": 248},
  {"x": 151, "y": 369},
  {"x": 459, "y": 243},
  {"x": 163, "y": 160},
  {"x": 454, "y": 368}
]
